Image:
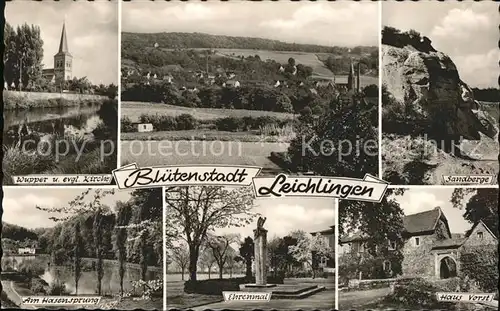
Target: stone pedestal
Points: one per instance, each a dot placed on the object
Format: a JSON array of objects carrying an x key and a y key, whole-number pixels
[{"x": 260, "y": 243}]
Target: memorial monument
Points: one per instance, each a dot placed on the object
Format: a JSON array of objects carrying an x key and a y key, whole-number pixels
[{"x": 260, "y": 249}]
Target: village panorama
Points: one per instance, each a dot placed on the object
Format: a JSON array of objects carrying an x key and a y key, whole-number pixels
[{"x": 190, "y": 97}]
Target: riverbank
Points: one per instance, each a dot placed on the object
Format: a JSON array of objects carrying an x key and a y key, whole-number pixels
[
  {"x": 29, "y": 100},
  {"x": 115, "y": 262}
]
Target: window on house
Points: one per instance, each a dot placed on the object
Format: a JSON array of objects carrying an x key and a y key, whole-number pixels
[
  {"x": 417, "y": 241},
  {"x": 323, "y": 261},
  {"x": 480, "y": 235},
  {"x": 361, "y": 247},
  {"x": 392, "y": 245},
  {"x": 387, "y": 265}
]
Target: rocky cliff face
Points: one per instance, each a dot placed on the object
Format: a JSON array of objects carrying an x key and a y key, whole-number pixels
[
  {"x": 425, "y": 102},
  {"x": 427, "y": 90}
]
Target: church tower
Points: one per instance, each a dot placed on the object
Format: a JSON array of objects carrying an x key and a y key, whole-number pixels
[{"x": 63, "y": 60}]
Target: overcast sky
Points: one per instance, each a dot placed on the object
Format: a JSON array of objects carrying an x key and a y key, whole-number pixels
[
  {"x": 91, "y": 29},
  {"x": 285, "y": 215},
  {"x": 467, "y": 32},
  {"x": 343, "y": 23},
  {"x": 424, "y": 199},
  {"x": 19, "y": 204}
]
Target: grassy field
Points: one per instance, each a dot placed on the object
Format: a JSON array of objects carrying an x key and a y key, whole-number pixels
[
  {"x": 204, "y": 136},
  {"x": 134, "y": 110},
  {"x": 154, "y": 153},
  {"x": 177, "y": 298},
  {"x": 306, "y": 59}
]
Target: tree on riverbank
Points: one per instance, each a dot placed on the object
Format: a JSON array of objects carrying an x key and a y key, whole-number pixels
[
  {"x": 123, "y": 217},
  {"x": 98, "y": 222},
  {"x": 77, "y": 256},
  {"x": 196, "y": 210},
  {"x": 23, "y": 55}
]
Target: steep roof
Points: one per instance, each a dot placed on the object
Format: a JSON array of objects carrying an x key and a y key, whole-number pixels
[
  {"x": 495, "y": 234},
  {"x": 331, "y": 230},
  {"x": 414, "y": 224},
  {"x": 423, "y": 221},
  {"x": 63, "y": 44}
]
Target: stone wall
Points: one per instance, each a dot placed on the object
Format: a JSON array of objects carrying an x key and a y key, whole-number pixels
[{"x": 419, "y": 260}]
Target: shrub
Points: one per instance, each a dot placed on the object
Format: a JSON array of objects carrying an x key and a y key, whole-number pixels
[
  {"x": 127, "y": 125},
  {"x": 416, "y": 293},
  {"x": 299, "y": 274},
  {"x": 16, "y": 162},
  {"x": 38, "y": 286},
  {"x": 160, "y": 122},
  {"x": 185, "y": 122},
  {"x": 481, "y": 265},
  {"x": 213, "y": 286},
  {"x": 32, "y": 268},
  {"x": 58, "y": 289},
  {"x": 230, "y": 124},
  {"x": 265, "y": 120},
  {"x": 317, "y": 110}
]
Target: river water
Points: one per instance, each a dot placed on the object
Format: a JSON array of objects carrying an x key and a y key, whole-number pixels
[{"x": 87, "y": 284}]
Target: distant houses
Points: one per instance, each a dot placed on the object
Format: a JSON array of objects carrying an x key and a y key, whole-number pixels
[
  {"x": 231, "y": 84},
  {"x": 26, "y": 251}
]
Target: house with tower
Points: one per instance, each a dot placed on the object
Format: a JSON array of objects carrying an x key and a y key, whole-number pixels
[
  {"x": 63, "y": 62},
  {"x": 430, "y": 249}
]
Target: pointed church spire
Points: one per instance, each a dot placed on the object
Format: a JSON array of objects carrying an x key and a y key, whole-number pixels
[{"x": 63, "y": 44}]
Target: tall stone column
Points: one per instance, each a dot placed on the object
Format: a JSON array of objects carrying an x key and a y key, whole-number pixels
[{"x": 260, "y": 244}]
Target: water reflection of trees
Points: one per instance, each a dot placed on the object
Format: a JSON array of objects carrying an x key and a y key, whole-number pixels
[{"x": 143, "y": 246}]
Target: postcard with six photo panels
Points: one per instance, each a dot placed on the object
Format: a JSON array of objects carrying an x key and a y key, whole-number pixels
[{"x": 250, "y": 155}]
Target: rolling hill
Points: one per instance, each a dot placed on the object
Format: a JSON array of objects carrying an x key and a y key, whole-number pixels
[{"x": 178, "y": 40}]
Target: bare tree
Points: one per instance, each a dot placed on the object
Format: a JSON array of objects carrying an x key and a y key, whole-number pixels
[
  {"x": 180, "y": 256},
  {"x": 196, "y": 210},
  {"x": 207, "y": 259},
  {"x": 221, "y": 249}
]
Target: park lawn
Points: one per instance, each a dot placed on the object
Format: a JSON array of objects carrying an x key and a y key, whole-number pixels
[
  {"x": 133, "y": 110},
  {"x": 177, "y": 298},
  {"x": 198, "y": 135}
]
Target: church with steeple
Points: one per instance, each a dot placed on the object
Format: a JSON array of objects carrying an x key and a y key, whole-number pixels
[{"x": 63, "y": 62}]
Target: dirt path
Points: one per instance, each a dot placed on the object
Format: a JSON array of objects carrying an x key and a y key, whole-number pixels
[
  {"x": 8, "y": 288},
  {"x": 356, "y": 299}
]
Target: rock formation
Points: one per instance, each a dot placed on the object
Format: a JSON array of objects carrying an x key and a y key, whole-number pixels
[
  {"x": 431, "y": 123},
  {"x": 428, "y": 91}
]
